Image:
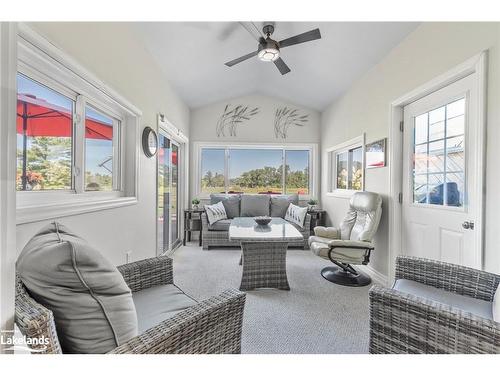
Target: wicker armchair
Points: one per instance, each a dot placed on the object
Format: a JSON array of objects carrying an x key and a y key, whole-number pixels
[
  {"x": 212, "y": 326},
  {"x": 404, "y": 323}
]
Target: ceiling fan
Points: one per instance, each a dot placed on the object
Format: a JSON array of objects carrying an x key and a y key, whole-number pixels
[{"x": 268, "y": 49}]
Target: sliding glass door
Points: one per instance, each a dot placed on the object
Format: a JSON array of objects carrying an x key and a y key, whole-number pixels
[{"x": 168, "y": 194}]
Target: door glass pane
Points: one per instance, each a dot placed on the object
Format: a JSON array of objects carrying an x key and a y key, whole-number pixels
[
  {"x": 455, "y": 108},
  {"x": 163, "y": 192},
  {"x": 356, "y": 169},
  {"x": 436, "y": 131},
  {"x": 256, "y": 171},
  {"x": 44, "y": 127},
  {"x": 98, "y": 150},
  {"x": 174, "y": 206},
  {"x": 421, "y": 127},
  {"x": 420, "y": 188},
  {"x": 342, "y": 174},
  {"x": 420, "y": 158},
  {"x": 436, "y": 157},
  {"x": 212, "y": 171},
  {"x": 439, "y": 162},
  {"x": 297, "y": 172},
  {"x": 455, "y": 154}
]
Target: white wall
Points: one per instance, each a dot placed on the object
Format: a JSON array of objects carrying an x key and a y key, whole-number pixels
[
  {"x": 432, "y": 49},
  {"x": 260, "y": 129},
  {"x": 8, "y": 62},
  {"x": 114, "y": 52}
]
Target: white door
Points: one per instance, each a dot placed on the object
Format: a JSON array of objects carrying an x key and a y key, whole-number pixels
[{"x": 440, "y": 200}]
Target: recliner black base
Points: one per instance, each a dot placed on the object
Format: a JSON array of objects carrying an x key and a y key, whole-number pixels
[{"x": 339, "y": 276}]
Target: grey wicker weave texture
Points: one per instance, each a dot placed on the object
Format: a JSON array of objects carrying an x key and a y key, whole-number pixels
[
  {"x": 212, "y": 326},
  {"x": 264, "y": 265},
  {"x": 211, "y": 238},
  {"x": 35, "y": 321},
  {"x": 403, "y": 323}
]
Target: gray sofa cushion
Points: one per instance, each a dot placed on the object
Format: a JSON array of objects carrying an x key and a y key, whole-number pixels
[
  {"x": 475, "y": 306},
  {"x": 92, "y": 305},
  {"x": 255, "y": 205},
  {"x": 231, "y": 203},
  {"x": 220, "y": 226},
  {"x": 280, "y": 203},
  {"x": 158, "y": 303}
]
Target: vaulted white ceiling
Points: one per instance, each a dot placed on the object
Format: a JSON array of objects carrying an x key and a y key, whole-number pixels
[{"x": 192, "y": 56}]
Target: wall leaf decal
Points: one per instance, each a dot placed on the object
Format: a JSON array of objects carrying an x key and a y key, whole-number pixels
[
  {"x": 286, "y": 117},
  {"x": 232, "y": 117}
]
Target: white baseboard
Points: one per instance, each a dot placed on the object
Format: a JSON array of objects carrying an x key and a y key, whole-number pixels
[{"x": 376, "y": 276}]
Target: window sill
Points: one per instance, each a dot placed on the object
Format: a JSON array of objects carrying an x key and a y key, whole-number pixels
[
  {"x": 341, "y": 193},
  {"x": 33, "y": 213}
]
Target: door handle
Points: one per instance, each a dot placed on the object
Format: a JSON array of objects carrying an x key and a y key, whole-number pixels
[{"x": 468, "y": 225}]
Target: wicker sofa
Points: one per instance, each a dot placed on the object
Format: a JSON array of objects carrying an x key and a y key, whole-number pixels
[
  {"x": 218, "y": 234},
  {"x": 406, "y": 323},
  {"x": 212, "y": 326}
]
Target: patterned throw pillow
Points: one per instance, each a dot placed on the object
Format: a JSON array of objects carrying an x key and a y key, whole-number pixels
[
  {"x": 296, "y": 214},
  {"x": 215, "y": 212}
]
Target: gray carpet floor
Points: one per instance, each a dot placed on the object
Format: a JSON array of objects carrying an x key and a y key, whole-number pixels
[{"x": 315, "y": 316}]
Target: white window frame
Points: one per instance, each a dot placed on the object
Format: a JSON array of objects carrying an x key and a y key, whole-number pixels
[
  {"x": 41, "y": 61},
  {"x": 313, "y": 162},
  {"x": 331, "y": 158}
]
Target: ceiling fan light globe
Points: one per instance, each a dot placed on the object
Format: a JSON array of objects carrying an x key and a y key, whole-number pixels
[{"x": 268, "y": 54}]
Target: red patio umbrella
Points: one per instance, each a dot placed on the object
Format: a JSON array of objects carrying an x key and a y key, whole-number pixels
[{"x": 38, "y": 118}]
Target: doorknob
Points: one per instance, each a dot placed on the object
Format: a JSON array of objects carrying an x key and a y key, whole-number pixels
[{"x": 468, "y": 225}]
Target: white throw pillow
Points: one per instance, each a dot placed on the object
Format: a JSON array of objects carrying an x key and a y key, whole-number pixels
[
  {"x": 296, "y": 214},
  {"x": 496, "y": 305},
  {"x": 215, "y": 212}
]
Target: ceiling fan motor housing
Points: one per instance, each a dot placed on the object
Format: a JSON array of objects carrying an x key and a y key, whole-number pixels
[{"x": 268, "y": 28}]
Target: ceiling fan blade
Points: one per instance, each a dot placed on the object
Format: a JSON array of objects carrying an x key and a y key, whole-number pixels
[
  {"x": 242, "y": 58},
  {"x": 252, "y": 30},
  {"x": 301, "y": 38},
  {"x": 282, "y": 67},
  {"x": 227, "y": 31}
]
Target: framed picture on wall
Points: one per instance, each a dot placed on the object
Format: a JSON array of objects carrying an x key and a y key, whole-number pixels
[{"x": 375, "y": 154}]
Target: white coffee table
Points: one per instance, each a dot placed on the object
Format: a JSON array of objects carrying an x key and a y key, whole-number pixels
[{"x": 263, "y": 251}]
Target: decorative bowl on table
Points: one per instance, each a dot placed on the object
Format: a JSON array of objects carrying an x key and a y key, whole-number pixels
[{"x": 262, "y": 220}]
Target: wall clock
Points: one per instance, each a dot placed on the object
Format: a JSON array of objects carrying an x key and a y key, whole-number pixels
[{"x": 149, "y": 142}]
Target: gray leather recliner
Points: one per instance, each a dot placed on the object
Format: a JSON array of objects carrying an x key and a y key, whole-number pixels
[{"x": 351, "y": 243}]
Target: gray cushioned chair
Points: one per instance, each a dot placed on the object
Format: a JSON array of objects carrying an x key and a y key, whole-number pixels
[
  {"x": 351, "y": 243},
  {"x": 434, "y": 307},
  {"x": 169, "y": 320}
]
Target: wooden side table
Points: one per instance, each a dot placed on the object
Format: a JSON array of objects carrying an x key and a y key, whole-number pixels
[
  {"x": 318, "y": 218},
  {"x": 192, "y": 223}
]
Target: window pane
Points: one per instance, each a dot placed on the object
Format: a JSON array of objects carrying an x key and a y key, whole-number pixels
[
  {"x": 436, "y": 115},
  {"x": 436, "y": 189},
  {"x": 455, "y": 109},
  {"x": 436, "y": 157},
  {"x": 455, "y": 194},
  {"x": 44, "y": 132},
  {"x": 436, "y": 131},
  {"x": 356, "y": 169},
  {"x": 297, "y": 172},
  {"x": 212, "y": 171},
  {"x": 420, "y": 188},
  {"x": 256, "y": 171},
  {"x": 455, "y": 155},
  {"x": 420, "y": 159},
  {"x": 98, "y": 151},
  {"x": 421, "y": 126},
  {"x": 455, "y": 126},
  {"x": 439, "y": 162},
  {"x": 342, "y": 170}
]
